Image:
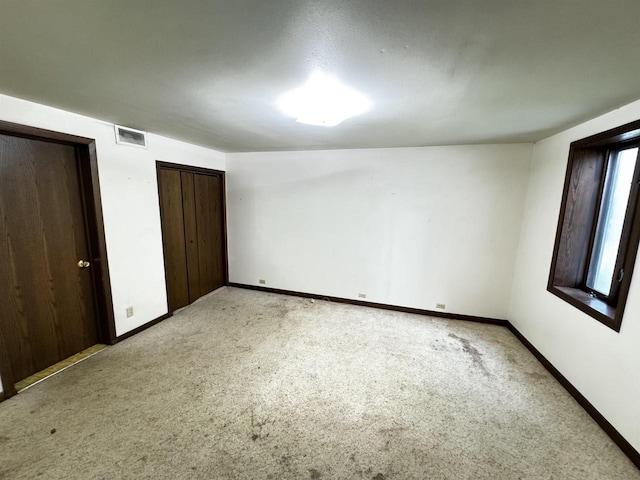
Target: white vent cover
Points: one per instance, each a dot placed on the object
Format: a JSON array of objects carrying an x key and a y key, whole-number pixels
[{"x": 131, "y": 137}]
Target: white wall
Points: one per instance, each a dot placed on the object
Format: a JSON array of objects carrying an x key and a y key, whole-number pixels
[
  {"x": 602, "y": 364},
  {"x": 406, "y": 226},
  {"x": 129, "y": 201}
]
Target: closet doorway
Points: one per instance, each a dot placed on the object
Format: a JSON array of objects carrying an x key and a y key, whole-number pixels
[{"x": 192, "y": 213}]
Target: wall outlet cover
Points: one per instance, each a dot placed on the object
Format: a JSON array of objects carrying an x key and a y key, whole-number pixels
[
  {"x": 262, "y": 281},
  {"x": 129, "y": 312}
]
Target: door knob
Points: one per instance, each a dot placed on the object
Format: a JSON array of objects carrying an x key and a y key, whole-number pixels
[{"x": 83, "y": 264}]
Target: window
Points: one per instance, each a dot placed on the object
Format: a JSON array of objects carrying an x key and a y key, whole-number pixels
[{"x": 599, "y": 224}]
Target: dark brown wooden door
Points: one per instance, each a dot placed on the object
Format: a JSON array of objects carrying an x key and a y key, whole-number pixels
[
  {"x": 46, "y": 300},
  {"x": 211, "y": 239},
  {"x": 173, "y": 238},
  {"x": 191, "y": 235},
  {"x": 192, "y": 213}
]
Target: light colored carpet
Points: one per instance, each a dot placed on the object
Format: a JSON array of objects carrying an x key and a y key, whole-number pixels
[{"x": 249, "y": 385}]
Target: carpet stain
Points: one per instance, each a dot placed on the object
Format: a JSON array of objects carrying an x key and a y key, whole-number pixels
[
  {"x": 315, "y": 474},
  {"x": 536, "y": 375},
  {"x": 379, "y": 476},
  {"x": 389, "y": 434},
  {"x": 512, "y": 359},
  {"x": 257, "y": 426},
  {"x": 473, "y": 352},
  {"x": 387, "y": 431}
]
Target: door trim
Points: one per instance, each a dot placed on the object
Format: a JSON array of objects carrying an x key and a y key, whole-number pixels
[
  {"x": 92, "y": 205},
  {"x": 203, "y": 171}
]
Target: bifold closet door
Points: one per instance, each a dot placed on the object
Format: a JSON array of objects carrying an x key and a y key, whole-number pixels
[
  {"x": 210, "y": 223},
  {"x": 192, "y": 213},
  {"x": 173, "y": 238},
  {"x": 191, "y": 235}
]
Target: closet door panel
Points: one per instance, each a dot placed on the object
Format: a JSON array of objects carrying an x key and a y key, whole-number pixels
[
  {"x": 210, "y": 222},
  {"x": 172, "y": 218},
  {"x": 191, "y": 235}
]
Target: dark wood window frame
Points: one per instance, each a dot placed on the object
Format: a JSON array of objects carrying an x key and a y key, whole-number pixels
[{"x": 577, "y": 223}]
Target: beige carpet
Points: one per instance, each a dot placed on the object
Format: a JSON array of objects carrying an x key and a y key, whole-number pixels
[{"x": 248, "y": 385}]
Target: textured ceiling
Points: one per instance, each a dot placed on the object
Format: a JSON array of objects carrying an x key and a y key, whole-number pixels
[{"x": 438, "y": 71}]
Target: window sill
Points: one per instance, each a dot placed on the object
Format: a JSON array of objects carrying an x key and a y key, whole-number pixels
[{"x": 592, "y": 306}]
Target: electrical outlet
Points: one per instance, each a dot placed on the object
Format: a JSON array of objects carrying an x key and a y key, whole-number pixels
[
  {"x": 262, "y": 281},
  {"x": 441, "y": 306},
  {"x": 129, "y": 312},
  {"x": 362, "y": 295}
]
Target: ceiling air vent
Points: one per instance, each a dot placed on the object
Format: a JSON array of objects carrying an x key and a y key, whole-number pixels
[{"x": 131, "y": 137}]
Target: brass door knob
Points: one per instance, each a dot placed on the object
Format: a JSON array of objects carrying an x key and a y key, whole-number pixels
[{"x": 83, "y": 264}]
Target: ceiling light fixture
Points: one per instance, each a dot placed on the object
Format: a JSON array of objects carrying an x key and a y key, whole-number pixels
[{"x": 323, "y": 101}]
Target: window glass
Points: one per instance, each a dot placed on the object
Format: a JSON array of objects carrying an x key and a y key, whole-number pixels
[{"x": 610, "y": 224}]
